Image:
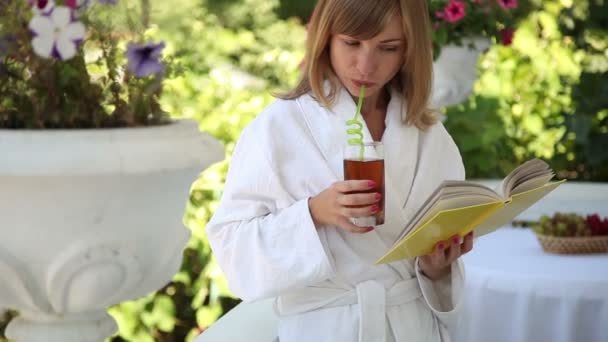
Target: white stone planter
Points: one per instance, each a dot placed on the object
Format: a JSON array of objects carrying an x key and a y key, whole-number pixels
[
  {"x": 91, "y": 218},
  {"x": 455, "y": 71}
]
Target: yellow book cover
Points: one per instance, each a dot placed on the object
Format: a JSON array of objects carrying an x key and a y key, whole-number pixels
[{"x": 459, "y": 207}]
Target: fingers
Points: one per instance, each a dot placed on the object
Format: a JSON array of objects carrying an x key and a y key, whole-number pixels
[
  {"x": 354, "y": 185},
  {"x": 454, "y": 250},
  {"x": 359, "y": 199},
  {"x": 444, "y": 254},
  {"x": 360, "y": 212},
  {"x": 359, "y": 204},
  {"x": 459, "y": 246},
  {"x": 439, "y": 253},
  {"x": 467, "y": 245},
  {"x": 337, "y": 204}
]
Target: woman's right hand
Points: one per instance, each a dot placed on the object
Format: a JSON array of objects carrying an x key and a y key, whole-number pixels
[{"x": 334, "y": 205}]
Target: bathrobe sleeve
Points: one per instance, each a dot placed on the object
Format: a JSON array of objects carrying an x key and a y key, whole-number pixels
[
  {"x": 444, "y": 296},
  {"x": 264, "y": 240}
]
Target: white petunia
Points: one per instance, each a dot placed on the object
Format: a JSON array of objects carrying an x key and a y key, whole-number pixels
[{"x": 57, "y": 34}]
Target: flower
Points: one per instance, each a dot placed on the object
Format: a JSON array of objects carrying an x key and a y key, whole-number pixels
[
  {"x": 143, "y": 59},
  {"x": 452, "y": 12},
  {"x": 506, "y": 36},
  {"x": 41, "y": 6},
  {"x": 507, "y": 4},
  {"x": 56, "y": 34},
  {"x": 5, "y": 42},
  {"x": 48, "y": 79},
  {"x": 455, "y": 20},
  {"x": 77, "y": 4}
]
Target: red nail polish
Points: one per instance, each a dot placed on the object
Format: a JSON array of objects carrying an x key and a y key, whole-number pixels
[
  {"x": 440, "y": 246},
  {"x": 456, "y": 239},
  {"x": 375, "y": 208},
  {"x": 369, "y": 229},
  {"x": 378, "y": 196},
  {"x": 371, "y": 184}
]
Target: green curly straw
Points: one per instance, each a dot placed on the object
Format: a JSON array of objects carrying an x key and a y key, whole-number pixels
[{"x": 356, "y": 122}]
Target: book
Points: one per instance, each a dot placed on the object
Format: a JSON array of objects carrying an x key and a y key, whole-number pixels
[{"x": 459, "y": 207}]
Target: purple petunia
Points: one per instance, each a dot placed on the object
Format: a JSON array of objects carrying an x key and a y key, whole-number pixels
[
  {"x": 144, "y": 59},
  {"x": 5, "y": 42}
]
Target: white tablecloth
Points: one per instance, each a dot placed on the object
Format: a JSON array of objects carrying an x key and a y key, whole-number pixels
[{"x": 518, "y": 293}]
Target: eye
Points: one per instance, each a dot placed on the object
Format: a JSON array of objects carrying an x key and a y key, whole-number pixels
[
  {"x": 351, "y": 42},
  {"x": 389, "y": 48}
]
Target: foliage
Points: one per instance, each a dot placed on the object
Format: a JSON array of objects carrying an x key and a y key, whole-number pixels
[
  {"x": 5, "y": 317},
  {"x": 300, "y": 9},
  {"x": 584, "y": 155},
  {"x": 536, "y": 99},
  {"x": 454, "y": 20},
  {"x": 48, "y": 81},
  {"x": 516, "y": 112},
  {"x": 232, "y": 72}
]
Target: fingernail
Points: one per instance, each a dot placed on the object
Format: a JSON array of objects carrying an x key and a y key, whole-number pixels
[
  {"x": 369, "y": 229},
  {"x": 378, "y": 196},
  {"x": 456, "y": 239},
  {"x": 371, "y": 184},
  {"x": 375, "y": 208},
  {"x": 440, "y": 246}
]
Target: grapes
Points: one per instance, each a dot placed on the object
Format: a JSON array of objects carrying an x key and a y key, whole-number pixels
[{"x": 571, "y": 224}]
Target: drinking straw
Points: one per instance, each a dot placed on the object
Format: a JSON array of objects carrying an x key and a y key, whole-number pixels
[{"x": 358, "y": 130}]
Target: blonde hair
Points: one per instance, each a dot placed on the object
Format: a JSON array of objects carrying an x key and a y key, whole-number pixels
[{"x": 364, "y": 19}]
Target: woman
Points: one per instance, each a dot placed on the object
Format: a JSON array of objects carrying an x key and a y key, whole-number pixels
[{"x": 282, "y": 228}]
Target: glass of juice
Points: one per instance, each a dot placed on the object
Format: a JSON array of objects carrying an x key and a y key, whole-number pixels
[{"x": 366, "y": 162}]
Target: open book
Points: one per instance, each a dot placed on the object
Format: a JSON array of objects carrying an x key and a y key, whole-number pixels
[{"x": 459, "y": 207}]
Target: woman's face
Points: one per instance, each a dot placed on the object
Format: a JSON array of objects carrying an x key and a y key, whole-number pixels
[{"x": 373, "y": 62}]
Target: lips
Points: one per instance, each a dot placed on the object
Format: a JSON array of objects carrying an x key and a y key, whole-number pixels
[{"x": 360, "y": 83}]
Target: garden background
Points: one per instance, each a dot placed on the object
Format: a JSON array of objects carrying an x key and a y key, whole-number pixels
[{"x": 544, "y": 96}]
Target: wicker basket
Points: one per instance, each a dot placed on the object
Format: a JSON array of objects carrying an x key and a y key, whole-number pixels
[{"x": 574, "y": 245}]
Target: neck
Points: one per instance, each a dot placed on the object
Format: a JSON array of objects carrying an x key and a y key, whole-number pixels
[{"x": 375, "y": 103}]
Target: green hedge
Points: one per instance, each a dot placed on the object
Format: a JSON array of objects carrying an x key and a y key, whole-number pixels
[{"x": 546, "y": 97}]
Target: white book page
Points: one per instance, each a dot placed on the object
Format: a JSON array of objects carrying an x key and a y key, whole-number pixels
[
  {"x": 534, "y": 168},
  {"x": 448, "y": 188},
  {"x": 531, "y": 184}
]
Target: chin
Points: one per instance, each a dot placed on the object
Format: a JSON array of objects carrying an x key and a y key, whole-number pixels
[{"x": 354, "y": 90}]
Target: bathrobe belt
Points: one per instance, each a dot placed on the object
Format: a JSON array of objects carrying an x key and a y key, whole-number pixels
[{"x": 371, "y": 296}]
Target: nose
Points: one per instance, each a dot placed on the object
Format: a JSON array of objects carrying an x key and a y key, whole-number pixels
[{"x": 366, "y": 63}]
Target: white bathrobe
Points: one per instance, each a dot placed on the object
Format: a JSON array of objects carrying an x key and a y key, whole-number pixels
[{"x": 327, "y": 286}]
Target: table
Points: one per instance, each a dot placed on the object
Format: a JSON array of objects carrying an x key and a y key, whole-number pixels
[{"x": 515, "y": 292}]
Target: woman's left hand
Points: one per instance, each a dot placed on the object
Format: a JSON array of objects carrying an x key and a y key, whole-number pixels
[{"x": 438, "y": 263}]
